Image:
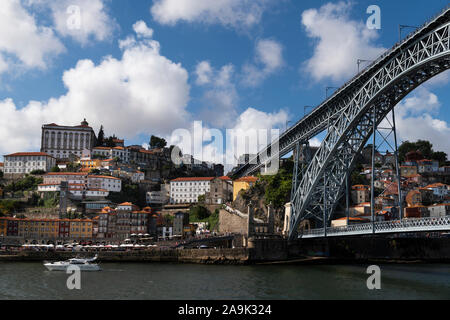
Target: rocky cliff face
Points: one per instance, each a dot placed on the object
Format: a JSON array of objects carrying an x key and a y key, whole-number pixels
[{"x": 256, "y": 197}]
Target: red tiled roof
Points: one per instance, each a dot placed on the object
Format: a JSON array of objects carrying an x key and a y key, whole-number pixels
[
  {"x": 104, "y": 177},
  {"x": 193, "y": 179},
  {"x": 66, "y": 174},
  {"x": 24, "y": 154},
  {"x": 351, "y": 219},
  {"x": 247, "y": 179}
]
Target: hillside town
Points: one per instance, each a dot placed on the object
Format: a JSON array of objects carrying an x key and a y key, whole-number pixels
[
  {"x": 81, "y": 187},
  {"x": 86, "y": 188}
]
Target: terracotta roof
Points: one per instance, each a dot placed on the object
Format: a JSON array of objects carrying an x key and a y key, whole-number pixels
[
  {"x": 351, "y": 219},
  {"x": 225, "y": 178},
  {"x": 247, "y": 179},
  {"x": 436, "y": 185},
  {"x": 104, "y": 177},
  {"x": 66, "y": 174},
  {"x": 192, "y": 179},
  {"x": 24, "y": 154}
]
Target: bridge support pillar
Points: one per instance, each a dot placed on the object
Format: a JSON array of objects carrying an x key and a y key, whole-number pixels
[{"x": 287, "y": 218}]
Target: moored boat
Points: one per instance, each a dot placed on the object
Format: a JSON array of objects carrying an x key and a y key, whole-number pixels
[{"x": 82, "y": 264}]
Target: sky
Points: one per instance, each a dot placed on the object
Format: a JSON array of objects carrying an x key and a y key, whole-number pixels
[{"x": 144, "y": 67}]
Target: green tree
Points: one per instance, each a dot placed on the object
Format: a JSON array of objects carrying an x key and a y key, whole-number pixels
[
  {"x": 109, "y": 142},
  {"x": 440, "y": 156},
  {"x": 29, "y": 183},
  {"x": 37, "y": 172},
  {"x": 422, "y": 146},
  {"x": 157, "y": 143},
  {"x": 278, "y": 187},
  {"x": 55, "y": 169},
  {"x": 198, "y": 213},
  {"x": 201, "y": 198},
  {"x": 101, "y": 136}
]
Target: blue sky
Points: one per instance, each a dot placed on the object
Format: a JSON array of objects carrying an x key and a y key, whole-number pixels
[{"x": 228, "y": 63}]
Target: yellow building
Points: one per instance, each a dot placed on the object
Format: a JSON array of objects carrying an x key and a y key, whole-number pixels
[
  {"x": 90, "y": 164},
  {"x": 81, "y": 229},
  {"x": 3, "y": 226},
  {"x": 39, "y": 228},
  {"x": 244, "y": 183}
]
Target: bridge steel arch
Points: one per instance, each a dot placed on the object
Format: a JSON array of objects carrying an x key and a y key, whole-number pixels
[{"x": 322, "y": 184}]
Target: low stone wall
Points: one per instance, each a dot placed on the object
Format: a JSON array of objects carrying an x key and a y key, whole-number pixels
[
  {"x": 375, "y": 248},
  {"x": 232, "y": 223},
  {"x": 42, "y": 213},
  {"x": 209, "y": 256}
]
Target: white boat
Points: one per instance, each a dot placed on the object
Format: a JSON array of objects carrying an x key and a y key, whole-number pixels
[{"x": 83, "y": 264}]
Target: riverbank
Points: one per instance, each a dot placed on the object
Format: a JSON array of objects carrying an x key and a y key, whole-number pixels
[
  {"x": 207, "y": 256},
  {"x": 350, "y": 250}
]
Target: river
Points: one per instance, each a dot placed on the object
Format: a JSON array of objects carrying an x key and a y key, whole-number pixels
[{"x": 185, "y": 281}]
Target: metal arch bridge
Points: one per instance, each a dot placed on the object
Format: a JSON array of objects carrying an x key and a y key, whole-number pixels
[{"x": 350, "y": 116}]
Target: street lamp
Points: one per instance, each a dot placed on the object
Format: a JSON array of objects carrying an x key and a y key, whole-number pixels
[
  {"x": 287, "y": 123},
  {"x": 359, "y": 61},
  {"x": 401, "y": 27},
  {"x": 304, "y": 109}
]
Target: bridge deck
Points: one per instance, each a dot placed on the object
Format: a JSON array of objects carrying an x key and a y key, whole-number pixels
[{"x": 386, "y": 227}]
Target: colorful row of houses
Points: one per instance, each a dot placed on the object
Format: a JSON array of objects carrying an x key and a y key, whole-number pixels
[{"x": 47, "y": 228}]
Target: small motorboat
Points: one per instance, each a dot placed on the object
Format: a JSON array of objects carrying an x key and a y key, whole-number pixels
[{"x": 83, "y": 264}]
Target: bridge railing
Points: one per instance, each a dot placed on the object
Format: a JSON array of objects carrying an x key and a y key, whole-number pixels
[
  {"x": 355, "y": 78},
  {"x": 406, "y": 225}
]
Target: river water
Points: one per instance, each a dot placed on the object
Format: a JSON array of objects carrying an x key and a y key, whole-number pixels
[{"x": 185, "y": 281}]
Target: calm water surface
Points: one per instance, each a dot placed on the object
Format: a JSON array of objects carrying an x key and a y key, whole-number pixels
[{"x": 183, "y": 281}]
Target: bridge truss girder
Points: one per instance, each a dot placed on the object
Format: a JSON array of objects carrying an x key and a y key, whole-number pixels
[{"x": 322, "y": 184}]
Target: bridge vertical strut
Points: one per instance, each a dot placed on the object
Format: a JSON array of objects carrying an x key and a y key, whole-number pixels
[
  {"x": 399, "y": 182},
  {"x": 372, "y": 185}
]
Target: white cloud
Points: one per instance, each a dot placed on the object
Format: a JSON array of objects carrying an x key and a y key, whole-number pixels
[
  {"x": 439, "y": 80},
  {"x": 255, "y": 119},
  {"x": 142, "y": 30},
  {"x": 414, "y": 117},
  {"x": 231, "y": 13},
  {"x": 339, "y": 41},
  {"x": 204, "y": 73},
  {"x": 315, "y": 142},
  {"x": 141, "y": 93},
  {"x": 22, "y": 41},
  {"x": 82, "y": 20},
  {"x": 221, "y": 97},
  {"x": 268, "y": 59}
]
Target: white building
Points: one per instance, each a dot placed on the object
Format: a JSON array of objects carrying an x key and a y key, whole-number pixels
[
  {"x": 110, "y": 153},
  {"x": 108, "y": 183},
  {"x": 26, "y": 162},
  {"x": 137, "y": 176},
  {"x": 440, "y": 190},
  {"x": 75, "y": 190},
  {"x": 62, "y": 141},
  {"x": 187, "y": 190},
  {"x": 70, "y": 177},
  {"x": 157, "y": 197},
  {"x": 81, "y": 180}
]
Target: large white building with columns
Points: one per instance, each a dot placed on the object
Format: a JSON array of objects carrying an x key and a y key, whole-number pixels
[{"x": 62, "y": 141}]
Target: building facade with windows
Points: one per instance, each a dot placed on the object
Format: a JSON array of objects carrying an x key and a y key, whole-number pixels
[
  {"x": 63, "y": 141},
  {"x": 19, "y": 164},
  {"x": 187, "y": 190},
  {"x": 111, "y": 153}
]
